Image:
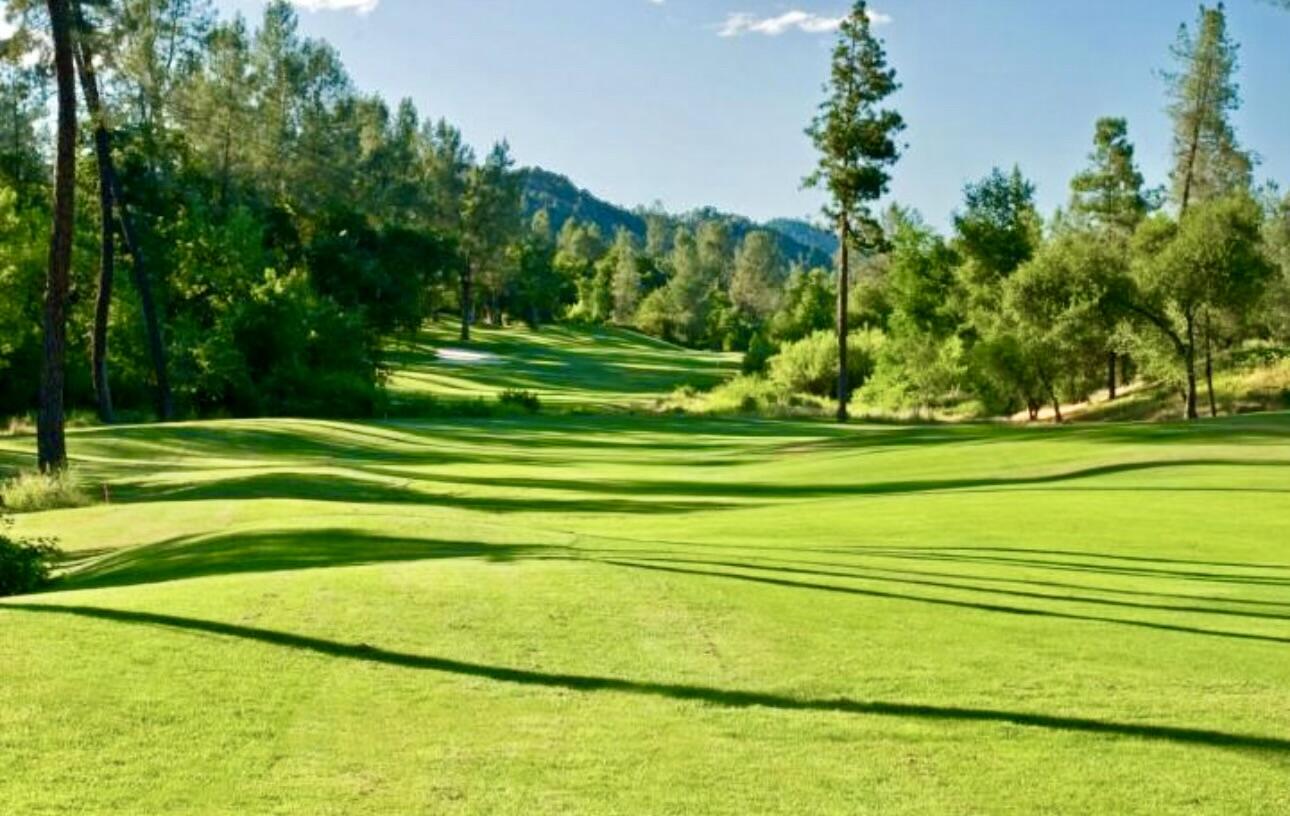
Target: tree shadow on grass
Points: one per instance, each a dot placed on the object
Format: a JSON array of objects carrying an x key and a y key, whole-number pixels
[
  {"x": 332, "y": 487},
  {"x": 957, "y": 582},
  {"x": 281, "y": 551},
  {"x": 1030, "y": 612},
  {"x": 725, "y": 698},
  {"x": 760, "y": 490}
]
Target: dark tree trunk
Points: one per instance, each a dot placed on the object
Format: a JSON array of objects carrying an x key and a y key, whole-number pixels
[
  {"x": 51, "y": 442},
  {"x": 129, "y": 236},
  {"x": 844, "y": 273},
  {"x": 1190, "y": 358},
  {"x": 1057, "y": 411},
  {"x": 103, "y": 310},
  {"x": 107, "y": 254},
  {"x": 151, "y": 319},
  {"x": 467, "y": 302},
  {"x": 1111, "y": 383},
  {"x": 1209, "y": 365}
]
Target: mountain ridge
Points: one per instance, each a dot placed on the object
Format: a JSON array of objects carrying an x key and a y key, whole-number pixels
[{"x": 798, "y": 239}]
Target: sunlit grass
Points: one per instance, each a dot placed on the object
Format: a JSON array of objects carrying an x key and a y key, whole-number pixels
[{"x": 620, "y": 613}]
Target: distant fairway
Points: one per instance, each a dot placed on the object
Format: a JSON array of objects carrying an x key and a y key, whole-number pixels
[
  {"x": 624, "y": 613},
  {"x": 593, "y": 367}
]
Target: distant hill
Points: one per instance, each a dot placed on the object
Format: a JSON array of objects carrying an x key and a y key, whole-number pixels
[
  {"x": 562, "y": 199},
  {"x": 806, "y": 234}
]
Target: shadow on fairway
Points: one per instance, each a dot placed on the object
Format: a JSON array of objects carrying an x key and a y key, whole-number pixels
[
  {"x": 391, "y": 485},
  {"x": 939, "y": 601},
  {"x": 202, "y": 556},
  {"x": 920, "y": 578},
  {"x": 702, "y": 694},
  {"x": 754, "y": 490},
  {"x": 331, "y": 487}
]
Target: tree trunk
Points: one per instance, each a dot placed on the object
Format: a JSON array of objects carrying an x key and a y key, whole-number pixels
[
  {"x": 103, "y": 309},
  {"x": 1111, "y": 383},
  {"x": 107, "y": 232},
  {"x": 844, "y": 272},
  {"x": 151, "y": 319},
  {"x": 1209, "y": 364},
  {"x": 1057, "y": 411},
  {"x": 138, "y": 266},
  {"x": 51, "y": 442},
  {"x": 467, "y": 302},
  {"x": 1190, "y": 357}
]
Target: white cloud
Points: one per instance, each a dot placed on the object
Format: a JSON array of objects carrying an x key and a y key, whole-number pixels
[
  {"x": 739, "y": 24},
  {"x": 360, "y": 6}
]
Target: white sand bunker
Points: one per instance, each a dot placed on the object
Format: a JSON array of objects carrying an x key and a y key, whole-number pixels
[{"x": 457, "y": 356}]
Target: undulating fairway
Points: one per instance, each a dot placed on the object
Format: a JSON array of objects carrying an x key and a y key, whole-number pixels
[{"x": 626, "y": 613}]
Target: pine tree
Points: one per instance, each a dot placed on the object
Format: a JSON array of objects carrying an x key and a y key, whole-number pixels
[
  {"x": 1109, "y": 197},
  {"x": 856, "y": 141},
  {"x": 1208, "y": 161},
  {"x": 51, "y": 442}
]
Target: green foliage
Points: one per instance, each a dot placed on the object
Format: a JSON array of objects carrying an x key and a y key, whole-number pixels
[
  {"x": 853, "y": 134},
  {"x": 810, "y": 365},
  {"x": 25, "y": 566},
  {"x": 1109, "y": 194},
  {"x": 526, "y": 401},
  {"x": 284, "y": 349},
  {"x": 757, "y": 357},
  {"x": 999, "y": 228},
  {"x": 916, "y": 371},
  {"x": 1208, "y": 161},
  {"x": 806, "y": 306}
]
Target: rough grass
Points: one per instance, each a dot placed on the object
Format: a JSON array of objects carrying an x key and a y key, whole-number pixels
[
  {"x": 31, "y": 491},
  {"x": 615, "y": 613}
]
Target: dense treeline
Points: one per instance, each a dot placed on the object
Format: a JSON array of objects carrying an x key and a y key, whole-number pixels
[
  {"x": 255, "y": 229},
  {"x": 276, "y": 224},
  {"x": 1013, "y": 312}
]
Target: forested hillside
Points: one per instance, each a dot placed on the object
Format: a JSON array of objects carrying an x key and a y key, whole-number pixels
[{"x": 563, "y": 201}]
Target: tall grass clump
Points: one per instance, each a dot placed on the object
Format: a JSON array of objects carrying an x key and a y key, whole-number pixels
[{"x": 32, "y": 492}]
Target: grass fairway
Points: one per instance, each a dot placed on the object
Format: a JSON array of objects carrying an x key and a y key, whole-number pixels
[
  {"x": 637, "y": 614},
  {"x": 580, "y": 368}
]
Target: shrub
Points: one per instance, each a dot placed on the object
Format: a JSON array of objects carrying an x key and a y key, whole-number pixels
[
  {"x": 31, "y": 492},
  {"x": 25, "y": 566},
  {"x": 810, "y": 365},
  {"x": 760, "y": 350},
  {"x": 526, "y": 401}
]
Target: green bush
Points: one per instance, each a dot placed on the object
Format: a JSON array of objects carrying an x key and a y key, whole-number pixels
[
  {"x": 810, "y": 365},
  {"x": 760, "y": 350},
  {"x": 25, "y": 566},
  {"x": 526, "y": 401},
  {"x": 31, "y": 492}
]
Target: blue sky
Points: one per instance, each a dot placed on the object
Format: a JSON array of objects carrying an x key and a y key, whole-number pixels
[{"x": 641, "y": 100}]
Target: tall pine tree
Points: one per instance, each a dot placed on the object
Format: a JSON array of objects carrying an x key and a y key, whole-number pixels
[{"x": 856, "y": 141}]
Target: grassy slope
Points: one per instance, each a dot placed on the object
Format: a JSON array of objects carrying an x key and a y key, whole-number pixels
[
  {"x": 620, "y": 614},
  {"x": 593, "y": 367}
]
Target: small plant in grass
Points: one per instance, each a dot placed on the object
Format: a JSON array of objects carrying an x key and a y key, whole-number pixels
[
  {"x": 25, "y": 566},
  {"x": 526, "y": 401},
  {"x": 31, "y": 492}
]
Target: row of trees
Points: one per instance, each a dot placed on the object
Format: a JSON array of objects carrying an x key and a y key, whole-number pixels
[
  {"x": 276, "y": 223},
  {"x": 1019, "y": 313},
  {"x": 277, "y": 226}
]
